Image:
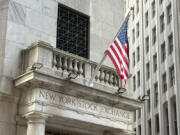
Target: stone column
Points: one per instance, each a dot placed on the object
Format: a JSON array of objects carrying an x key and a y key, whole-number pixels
[{"x": 36, "y": 124}]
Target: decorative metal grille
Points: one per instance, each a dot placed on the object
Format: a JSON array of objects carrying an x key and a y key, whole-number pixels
[{"x": 72, "y": 32}]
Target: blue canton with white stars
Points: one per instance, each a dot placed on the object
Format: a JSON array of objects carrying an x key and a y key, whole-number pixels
[{"x": 122, "y": 36}]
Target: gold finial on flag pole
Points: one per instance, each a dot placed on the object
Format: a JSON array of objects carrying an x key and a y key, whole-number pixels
[{"x": 131, "y": 8}]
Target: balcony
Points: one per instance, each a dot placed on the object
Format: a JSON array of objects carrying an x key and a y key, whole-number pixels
[
  {"x": 60, "y": 63},
  {"x": 48, "y": 89}
]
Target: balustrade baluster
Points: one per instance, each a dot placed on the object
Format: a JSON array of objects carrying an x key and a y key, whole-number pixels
[
  {"x": 98, "y": 77},
  {"x": 75, "y": 66},
  {"x": 54, "y": 64},
  {"x": 102, "y": 75},
  {"x": 65, "y": 65},
  {"x": 115, "y": 80},
  {"x": 80, "y": 68},
  {"x": 110, "y": 78},
  {"x": 93, "y": 67},
  {"x": 106, "y": 77},
  {"x": 97, "y": 74},
  {"x": 59, "y": 62},
  {"x": 119, "y": 84},
  {"x": 70, "y": 65}
]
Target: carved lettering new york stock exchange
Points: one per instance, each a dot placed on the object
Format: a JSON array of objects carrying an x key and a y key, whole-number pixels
[{"x": 82, "y": 105}]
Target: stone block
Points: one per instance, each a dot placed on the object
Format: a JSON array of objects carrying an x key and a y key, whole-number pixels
[
  {"x": 45, "y": 56},
  {"x": 108, "y": 32},
  {"x": 34, "y": 19},
  {"x": 97, "y": 46},
  {"x": 7, "y": 129},
  {"x": 49, "y": 25},
  {"x": 82, "y": 6},
  {"x": 32, "y": 4},
  {"x": 69, "y": 3},
  {"x": 88, "y": 71},
  {"x": 1, "y": 65},
  {"x": 3, "y": 13},
  {"x": 13, "y": 50},
  {"x": 21, "y": 130},
  {"x": 4, "y": 4},
  {"x": 2, "y": 48},
  {"x": 41, "y": 22},
  {"x": 16, "y": 32},
  {"x": 50, "y": 8},
  {"x": 3, "y": 28},
  {"x": 32, "y": 35},
  {"x": 12, "y": 59},
  {"x": 118, "y": 19},
  {"x": 117, "y": 6},
  {"x": 102, "y": 14},
  {"x": 12, "y": 67},
  {"x": 6, "y": 85},
  {"x": 96, "y": 27},
  {"x": 49, "y": 39},
  {"x": 40, "y": 52},
  {"x": 7, "y": 111},
  {"x": 17, "y": 13}
]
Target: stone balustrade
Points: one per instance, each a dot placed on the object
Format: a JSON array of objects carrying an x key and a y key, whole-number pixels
[
  {"x": 106, "y": 76},
  {"x": 64, "y": 63}
]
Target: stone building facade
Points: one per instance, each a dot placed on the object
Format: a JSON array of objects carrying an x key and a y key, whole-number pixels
[
  {"x": 154, "y": 37},
  {"x": 37, "y": 95}
]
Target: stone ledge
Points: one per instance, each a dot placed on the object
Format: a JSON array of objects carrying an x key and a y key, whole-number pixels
[
  {"x": 47, "y": 98},
  {"x": 36, "y": 79},
  {"x": 40, "y": 44}
]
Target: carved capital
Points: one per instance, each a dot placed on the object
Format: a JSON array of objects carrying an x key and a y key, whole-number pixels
[
  {"x": 36, "y": 123},
  {"x": 36, "y": 118}
]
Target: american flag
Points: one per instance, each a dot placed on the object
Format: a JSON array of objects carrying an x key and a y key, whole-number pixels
[{"x": 119, "y": 53}]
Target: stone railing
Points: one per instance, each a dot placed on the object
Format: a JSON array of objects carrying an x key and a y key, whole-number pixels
[
  {"x": 106, "y": 76},
  {"x": 64, "y": 63}
]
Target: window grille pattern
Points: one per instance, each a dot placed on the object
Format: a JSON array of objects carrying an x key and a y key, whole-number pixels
[{"x": 72, "y": 32}]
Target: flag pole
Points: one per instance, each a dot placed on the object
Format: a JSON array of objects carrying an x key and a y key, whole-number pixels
[
  {"x": 127, "y": 17},
  {"x": 105, "y": 54},
  {"x": 97, "y": 69}
]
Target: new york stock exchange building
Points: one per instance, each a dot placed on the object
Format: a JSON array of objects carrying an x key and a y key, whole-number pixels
[{"x": 43, "y": 44}]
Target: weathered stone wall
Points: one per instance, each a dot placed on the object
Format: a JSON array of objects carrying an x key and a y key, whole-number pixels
[
  {"x": 3, "y": 27},
  {"x": 23, "y": 22},
  {"x": 106, "y": 19},
  {"x": 32, "y": 20},
  {"x": 8, "y": 105}
]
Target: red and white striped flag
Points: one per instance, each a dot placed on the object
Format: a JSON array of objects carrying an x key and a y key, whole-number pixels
[{"x": 119, "y": 53}]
